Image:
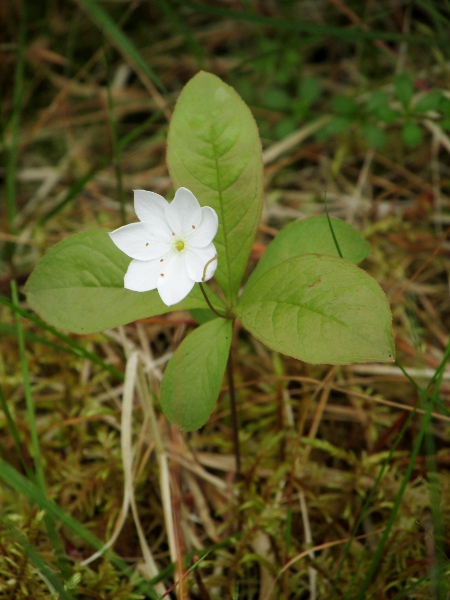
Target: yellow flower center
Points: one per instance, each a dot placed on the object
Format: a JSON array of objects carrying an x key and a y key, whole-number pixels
[{"x": 179, "y": 245}]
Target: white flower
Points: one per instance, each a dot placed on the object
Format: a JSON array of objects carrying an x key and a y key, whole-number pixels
[{"x": 171, "y": 247}]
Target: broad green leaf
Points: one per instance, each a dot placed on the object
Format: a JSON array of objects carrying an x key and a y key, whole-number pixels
[
  {"x": 193, "y": 377},
  {"x": 215, "y": 151},
  {"x": 202, "y": 315},
  {"x": 319, "y": 309},
  {"x": 312, "y": 235},
  {"x": 78, "y": 286}
]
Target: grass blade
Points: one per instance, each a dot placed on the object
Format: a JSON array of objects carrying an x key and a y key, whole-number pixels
[
  {"x": 73, "y": 346},
  {"x": 119, "y": 39},
  {"x": 434, "y": 384},
  {"x": 35, "y": 447},
  {"x": 38, "y": 562},
  {"x": 313, "y": 29},
  {"x": 33, "y": 493}
]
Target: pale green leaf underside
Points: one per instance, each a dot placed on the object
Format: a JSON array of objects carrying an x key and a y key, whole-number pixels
[
  {"x": 214, "y": 150},
  {"x": 78, "y": 286},
  {"x": 312, "y": 235},
  {"x": 320, "y": 309},
  {"x": 193, "y": 377}
]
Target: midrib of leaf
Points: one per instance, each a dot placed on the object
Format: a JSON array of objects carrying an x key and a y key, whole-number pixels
[{"x": 219, "y": 187}]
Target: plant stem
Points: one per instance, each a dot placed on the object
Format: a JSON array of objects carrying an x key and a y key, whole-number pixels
[
  {"x": 208, "y": 302},
  {"x": 234, "y": 415}
]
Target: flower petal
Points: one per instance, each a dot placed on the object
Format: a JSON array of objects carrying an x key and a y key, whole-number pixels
[
  {"x": 138, "y": 241},
  {"x": 147, "y": 205},
  {"x": 184, "y": 213},
  {"x": 206, "y": 231},
  {"x": 175, "y": 284},
  {"x": 142, "y": 276},
  {"x": 201, "y": 263}
]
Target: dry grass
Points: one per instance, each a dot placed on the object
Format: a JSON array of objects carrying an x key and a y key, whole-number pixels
[{"x": 317, "y": 441}]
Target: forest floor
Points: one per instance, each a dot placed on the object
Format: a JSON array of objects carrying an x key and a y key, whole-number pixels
[{"x": 345, "y": 469}]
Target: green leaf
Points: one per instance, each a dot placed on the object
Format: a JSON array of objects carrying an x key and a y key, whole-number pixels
[
  {"x": 312, "y": 235},
  {"x": 215, "y": 151},
  {"x": 411, "y": 134},
  {"x": 193, "y": 377},
  {"x": 78, "y": 286},
  {"x": 430, "y": 101},
  {"x": 319, "y": 309},
  {"x": 120, "y": 40},
  {"x": 404, "y": 88},
  {"x": 375, "y": 136},
  {"x": 202, "y": 315}
]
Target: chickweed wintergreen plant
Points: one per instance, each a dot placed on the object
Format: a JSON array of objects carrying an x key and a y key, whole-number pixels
[{"x": 302, "y": 299}]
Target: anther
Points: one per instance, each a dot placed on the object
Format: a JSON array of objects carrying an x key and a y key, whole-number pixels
[{"x": 193, "y": 226}]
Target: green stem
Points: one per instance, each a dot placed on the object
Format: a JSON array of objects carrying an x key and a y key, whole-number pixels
[{"x": 208, "y": 302}]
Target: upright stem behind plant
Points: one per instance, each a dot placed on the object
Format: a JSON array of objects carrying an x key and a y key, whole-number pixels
[{"x": 234, "y": 415}]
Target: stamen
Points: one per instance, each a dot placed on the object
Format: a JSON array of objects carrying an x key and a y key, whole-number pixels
[
  {"x": 161, "y": 260},
  {"x": 193, "y": 226},
  {"x": 146, "y": 244},
  {"x": 162, "y": 274}
]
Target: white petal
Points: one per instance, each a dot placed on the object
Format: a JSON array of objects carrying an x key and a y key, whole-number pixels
[
  {"x": 147, "y": 205},
  {"x": 184, "y": 213},
  {"x": 201, "y": 263},
  {"x": 206, "y": 231},
  {"x": 142, "y": 276},
  {"x": 175, "y": 284},
  {"x": 138, "y": 241}
]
